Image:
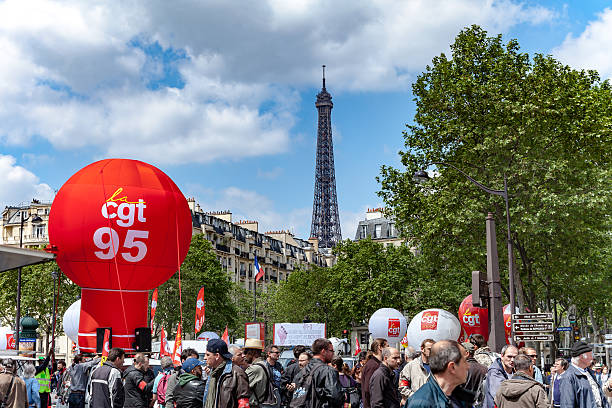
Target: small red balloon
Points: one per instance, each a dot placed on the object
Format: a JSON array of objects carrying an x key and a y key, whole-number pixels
[
  {"x": 474, "y": 320},
  {"x": 121, "y": 227}
]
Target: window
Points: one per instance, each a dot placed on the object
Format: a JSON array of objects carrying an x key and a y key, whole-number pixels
[
  {"x": 378, "y": 231},
  {"x": 39, "y": 231},
  {"x": 364, "y": 231},
  {"x": 391, "y": 231}
]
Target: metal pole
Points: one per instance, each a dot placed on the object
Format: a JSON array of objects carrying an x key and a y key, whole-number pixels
[
  {"x": 18, "y": 313},
  {"x": 254, "y": 300},
  {"x": 496, "y": 330},
  {"x": 54, "y": 274},
  {"x": 510, "y": 261}
]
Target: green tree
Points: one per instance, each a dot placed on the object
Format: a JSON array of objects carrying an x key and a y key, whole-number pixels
[
  {"x": 37, "y": 296},
  {"x": 492, "y": 110},
  {"x": 222, "y": 297}
]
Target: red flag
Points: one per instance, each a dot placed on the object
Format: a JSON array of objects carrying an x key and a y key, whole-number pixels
[
  {"x": 164, "y": 347},
  {"x": 358, "y": 346},
  {"x": 153, "y": 308},
  {"x": 200, "y": 311},
  {"x": 260, "y": 271},
  {"x": 225, "y": 336},
  {"x": 178, "y": 346},
  {"x": 105, "y": 346}
]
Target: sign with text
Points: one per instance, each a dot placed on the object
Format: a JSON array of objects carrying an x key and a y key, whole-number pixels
[
  {"x": 533, "y": 327},
  {"x": 294, "y": 334},
  {"x": 564, "y": 328},
  {"x": 534, "y": 337},
  {"x": 532, "y": 316},
  {"x": 254, "y": 330}
]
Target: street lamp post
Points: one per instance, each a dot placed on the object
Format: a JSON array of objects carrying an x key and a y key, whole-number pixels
[
  {"x": 422, "y": 175},
  {"x": 35, "y": 220}
]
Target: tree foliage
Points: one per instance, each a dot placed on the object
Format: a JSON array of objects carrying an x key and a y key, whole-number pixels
[
  {"x": 225, "y": 302},
  {"x": 36, "y": 296},
  {"x": 493, "y": 111}
]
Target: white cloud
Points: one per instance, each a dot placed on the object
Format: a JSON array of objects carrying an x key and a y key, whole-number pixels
[
  {"x": 71, "y": 73},
  {"x": 592, "y": 48},
  {"x": 19, "y": 185}
]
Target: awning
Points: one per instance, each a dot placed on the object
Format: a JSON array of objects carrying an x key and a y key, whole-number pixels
[{"x": 12, "y": 257}]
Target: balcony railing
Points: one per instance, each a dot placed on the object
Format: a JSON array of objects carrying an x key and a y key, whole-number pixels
[{"x": 223, "y": 248}]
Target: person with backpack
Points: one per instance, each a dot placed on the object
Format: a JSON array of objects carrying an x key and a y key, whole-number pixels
[
  {"x": 260, "y": 382},
  {"x": 317, "y": 385},
  {"x": 160, "y": 384},
  {"x": 13, "y": 392},
  {"x": 227, "y": 385},
  {"x": 32, "y": 387}
]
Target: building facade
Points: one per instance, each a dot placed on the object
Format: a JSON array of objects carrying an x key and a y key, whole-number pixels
[
  {"x": 35, "y": 232},
  {"x": 379, "y": 228}
]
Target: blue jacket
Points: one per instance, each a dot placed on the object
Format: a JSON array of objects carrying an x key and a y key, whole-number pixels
[
  {"x": 495, "y": 375},
  {"x": 32, "y": 387},
  {"x": 429, "y": 395},
  {"x": 576, "y": 390}
]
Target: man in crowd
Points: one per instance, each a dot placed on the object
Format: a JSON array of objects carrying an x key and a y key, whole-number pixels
[
  {"x": 275, "y": 369},
  {"x": 370, "y": 366},
  {"x": 12, "y": 388},
  {"x": 58, "y": 374},
  {"x": 326, "y": 389},
  {"x": 289, "y": 375},
  {"x": 449, "y": 369},
  {"x": 578, "y": 386},
  {"x": 554, "y": 392},
  {"x": 533, "y": 355},
  {"x": 501, "y": 369},
  {"x": 189, "y": 389},
  {"x": 483, "y": 353},
  {"x": 416, "y": 372},
  {"x": 173, "y": 379},
  {"x": 137, "y": 389},
  {"x": 522, "y": 390},
  {"x": 160, "y": 385},
  {"x": 105, "y": 386},
  {"x": 43, "y": 376},
  {"x": 476, "y": 374},
  {"x": 78, "y": 374},
  {"x": 238, "y": 357},
  {"x": 256, "y": 372},
  {"x": 227, "y": 385},
  {"x": 383, "y": 392}
]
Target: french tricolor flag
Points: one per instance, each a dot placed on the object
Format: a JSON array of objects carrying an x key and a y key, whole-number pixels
[{"x": 259, "y": 269}]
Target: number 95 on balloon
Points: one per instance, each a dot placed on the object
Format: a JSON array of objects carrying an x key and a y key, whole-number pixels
[{"x": 119, "y": 218}]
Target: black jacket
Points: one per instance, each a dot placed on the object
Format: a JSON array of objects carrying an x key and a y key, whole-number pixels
[
  {"x": 328, "y": 391},
  {"x": 383, "y": 392},
  {"x": 189, "y": 391},
  {"x": 288, "y": 377},
  {"x": 136, "y": 387},
  {"x": 105, "y": 388}
]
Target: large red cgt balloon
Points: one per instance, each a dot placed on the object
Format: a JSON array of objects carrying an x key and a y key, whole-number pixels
[
  {"x": 474, "y": 320},
  {"x": 121, "y": 227}
]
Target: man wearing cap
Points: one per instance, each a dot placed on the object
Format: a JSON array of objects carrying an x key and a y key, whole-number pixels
[
  {"x": 173, "y": 379},
  {"x": 227, "y": 385},
  {"x": 189, "y": 390},
  {"x": 476, "y": 374},
  {"x": 578, "y": 385},
  {"x": 256, "y": 372}
]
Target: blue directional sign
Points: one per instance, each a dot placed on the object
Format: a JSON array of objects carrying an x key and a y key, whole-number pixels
[{"x": 564, "y": 328}]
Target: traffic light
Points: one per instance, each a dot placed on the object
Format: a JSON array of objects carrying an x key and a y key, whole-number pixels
[
  {"x": 576, "y": 331},
  {"x": 345, "y": 334}
]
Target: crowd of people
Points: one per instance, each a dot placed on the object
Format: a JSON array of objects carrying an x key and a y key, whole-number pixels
[{"x": 444, "y": 374}]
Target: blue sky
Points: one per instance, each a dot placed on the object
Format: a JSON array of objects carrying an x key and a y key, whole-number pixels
[{"x": 220, "y": 95}]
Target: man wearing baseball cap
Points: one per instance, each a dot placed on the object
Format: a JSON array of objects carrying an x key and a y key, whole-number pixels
[
  {"x": 578, "y": 386},
  {"x": 189, "y": 391},
  {"x": 227, "y": 384}
]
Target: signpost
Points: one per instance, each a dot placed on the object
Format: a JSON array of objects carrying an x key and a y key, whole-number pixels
[
  {"x": 564, "y": 328},
  {"x": 533, "y": 327}
]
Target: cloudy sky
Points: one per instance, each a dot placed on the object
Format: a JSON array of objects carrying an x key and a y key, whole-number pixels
[{"x": 220, "y": 94}]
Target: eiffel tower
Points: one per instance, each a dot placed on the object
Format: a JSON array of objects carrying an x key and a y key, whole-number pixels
[{"x": 325, "y": 218}]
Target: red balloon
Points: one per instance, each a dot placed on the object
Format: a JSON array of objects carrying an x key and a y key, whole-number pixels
[
  {"x": 121, "y": 227},
  {"x": 474, "y": 320},
  {"x": 507, "y": 323}
]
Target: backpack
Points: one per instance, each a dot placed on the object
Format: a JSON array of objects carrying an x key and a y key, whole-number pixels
[
  {"x": 161, "y": 388},
  {"x": 269, "y": 398},
  {"x": 302, "y": 396}
]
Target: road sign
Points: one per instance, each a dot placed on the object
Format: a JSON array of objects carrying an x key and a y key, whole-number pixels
[
  {"x": 608, "y": 336},
  {"x": 564, "y": 328},
  {"x": 532, "y": 316},
  {"x": 533, "y": 327},
  {"x": 534, "y": 337}
]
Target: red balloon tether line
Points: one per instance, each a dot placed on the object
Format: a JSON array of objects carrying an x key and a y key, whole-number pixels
[
  {"x": 114, "y": 251},
  {"x": 178, "y": 261}
]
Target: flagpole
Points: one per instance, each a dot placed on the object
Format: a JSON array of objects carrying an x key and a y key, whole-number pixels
[{"x": 255, "y": 300}]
